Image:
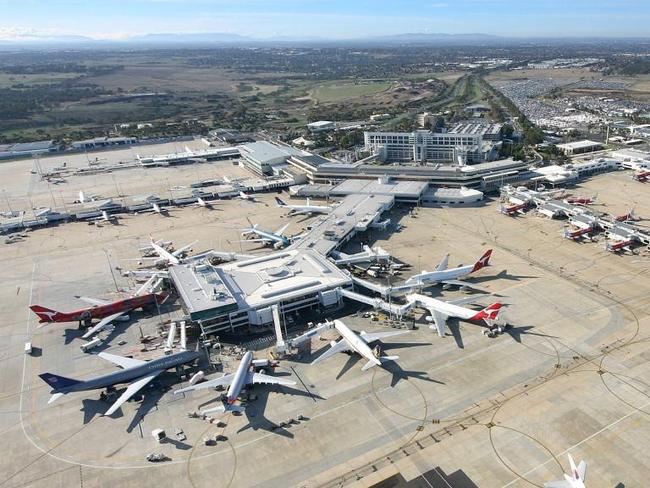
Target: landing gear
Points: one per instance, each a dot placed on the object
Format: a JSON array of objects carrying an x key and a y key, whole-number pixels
[{"x": 496, "y": 330}]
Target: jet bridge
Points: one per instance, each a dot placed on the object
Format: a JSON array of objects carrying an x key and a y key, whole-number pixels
[{"x": 393, "y": 310}]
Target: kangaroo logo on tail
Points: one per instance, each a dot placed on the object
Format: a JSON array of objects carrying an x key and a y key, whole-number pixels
[
  {"x": 483, "y": 261},
  {"x": 44, "y": 314},
  {"x": 489, "y": 314}
]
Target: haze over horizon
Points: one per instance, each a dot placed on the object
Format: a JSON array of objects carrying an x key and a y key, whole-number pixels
[{"x": 334, "y": 19}]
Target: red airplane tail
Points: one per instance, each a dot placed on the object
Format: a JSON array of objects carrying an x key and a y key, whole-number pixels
[
  {"x": 483, "y": 261},
  {"x": 45, "y": 314},
  {"x": 489, "y": 314}
]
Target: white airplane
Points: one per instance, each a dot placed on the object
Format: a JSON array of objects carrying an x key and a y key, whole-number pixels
[
  {"x": 245, "y": 375},
  {"x": 83, "y": 198},
  {"x": 245, "y": 196},
  {"x": 163, "y": 256},
  {"x": 307, "y": 209},
  {"x": 367, "y": 255},
  {"x": 275, "y": 239},
  {"x": 441, "y": 310},
  {"x": 450, "y": 276},
  {"x": 202, "y": 203},
  {"x": 352, "y": 342},
  {"x": 575, "y": 480}
]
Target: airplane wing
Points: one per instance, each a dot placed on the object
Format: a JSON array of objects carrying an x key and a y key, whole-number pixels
[
  {"x": 467, "y": 300},
  {"x": 94, "y": 301},
  {"x": 582, "y": 470},
  {"x": 261, "y": 239},
  {"x": 181, "y": 250},
  {"x": 444, "y": 263},
  {"x": 464, "y": 284},
  {"x": 224, "y": 380},
  {"x": 259, "y": 378},
  {"x": 101, "y": 324},
  {"x": 281, "y": 229},
  {"x": 121, "y": 361},
  {"x": 369, "y": 337},
  {"x": 557, "y": 484},
  {"x": 133, "y": 388},
  {"x": 440, "y": 321},
  {"x": 341, "y": 346}
]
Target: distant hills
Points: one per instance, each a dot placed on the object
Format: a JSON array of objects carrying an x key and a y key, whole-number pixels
[{"x": 229, "y": 39}]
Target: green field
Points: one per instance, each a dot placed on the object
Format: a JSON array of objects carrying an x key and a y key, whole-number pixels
[
  {"x": 7, "y": 80},
  {"x": 337, "y": 92}
]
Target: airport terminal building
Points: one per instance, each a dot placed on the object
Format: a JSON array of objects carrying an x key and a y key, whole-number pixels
[{"x": 244, "y": 293}]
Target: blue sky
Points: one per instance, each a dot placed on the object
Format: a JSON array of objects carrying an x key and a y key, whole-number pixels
[{"x": 331, "y": 18}]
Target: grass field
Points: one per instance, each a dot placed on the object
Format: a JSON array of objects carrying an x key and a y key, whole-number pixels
[
  {"x": 172, "y": 78},
  {"x": 7, "y": 80},
  {"x": 338, "y": 92}
]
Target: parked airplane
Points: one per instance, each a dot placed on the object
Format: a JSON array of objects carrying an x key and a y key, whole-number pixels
[
  {"x": 103, "y": 309},
  {"x": 83, "y": 198},
  {"x": 135, "y": 371},
  {"x": 441, "y": 310},
  {"x": 580, "y": 233},
  {"x": 620, "y": 246},
  {"x": 163, "y": 256},
  {"x": 202, "y": 203},
  {"x": 307, "y": 209},
  {"x": 628, "y": 217},
  {"x": 447, "y": 276},
  {"x": 275, "y": 239},
  {"x": 352, "y": 342},
  {"x": 575, "y": 480},
  {"x": 580, "y": 200},
  {"x": 375, "y": 254},
  {"x": 514, "y": 209},
  {"x": 246, "y": 374},
  {"x": 246, "y": 196}
]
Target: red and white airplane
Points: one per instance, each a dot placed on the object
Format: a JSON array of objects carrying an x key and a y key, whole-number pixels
[
  {"x": 581, "y": 233},
  {"x": 581, "y": 200},
  {"x": 513, "y": 209},
  {"x": 628, "y": 217},
  {"x": 105, "y": 310},
  {"x": 575, "y": 480},
  {"x": 441, "y": 310},
  {"x": 642, "y": 175},
  {"x": 619, "y": 246}
]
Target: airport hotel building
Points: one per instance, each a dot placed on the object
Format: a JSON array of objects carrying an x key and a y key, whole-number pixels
[{"x": 422, "y": 146}]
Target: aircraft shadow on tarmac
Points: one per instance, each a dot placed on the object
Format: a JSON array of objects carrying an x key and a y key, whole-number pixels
[
  {"x": 148, "y": 398},
  {"x": 516, "y": 332},
  {"x": 255, "y": 410}
]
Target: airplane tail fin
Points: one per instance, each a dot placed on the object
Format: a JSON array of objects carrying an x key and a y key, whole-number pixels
[
  {"x": 44, "y": 314},
  {"x": 483, "y": 261},
  {"x": 279, "y": 202},
  {"x": 57, "y": 382},
  {"x": 577, "y": 473},
  {"x": 489, "y": 314}
]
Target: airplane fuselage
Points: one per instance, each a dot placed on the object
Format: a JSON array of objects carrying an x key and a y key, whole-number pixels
[
  {"x": 130, "y": 374},
  {"x": 437, "y": 276},
  {"x": 356, "y": 342},
  {"x": 446, "y": 308},
  {"x": 239, "y": 381},
  {"x": 101, "y": 311}
]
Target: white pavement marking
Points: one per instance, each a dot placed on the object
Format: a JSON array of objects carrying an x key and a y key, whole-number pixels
[{"x": 586, "y": 439}]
